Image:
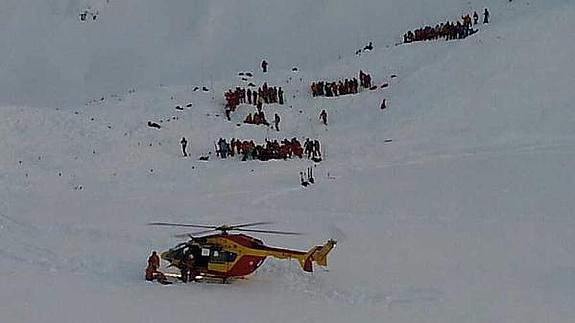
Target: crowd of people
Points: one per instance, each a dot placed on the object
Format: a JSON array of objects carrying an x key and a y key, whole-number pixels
[
  {"x": 257, "y": 119},
  {"x": 270, "y": 150},
  {"x": 449, "y": 30},
  {"x": 264, "y": 94},
  {"x": 312, "y": 149},
  {"x": 365, "y": 79},
  {"x": 342, "y": 87}
]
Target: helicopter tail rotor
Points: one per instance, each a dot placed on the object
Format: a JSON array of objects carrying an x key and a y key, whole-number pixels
[{"x": 317, "y": 254}]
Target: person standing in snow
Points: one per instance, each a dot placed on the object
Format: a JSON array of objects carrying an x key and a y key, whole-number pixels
[
  {"x": 383, "y": 105},
  {"x": 153, "y": 265},
  {"x": 486, "y": 16},
  {"x": 277, "y": 122},
  {"x": 316, "y": 148},
  {"x": 264, "y": 66},
  {"x": 475, "y": 17},
  {"x": 223, "y": 148},
  {"x": 184, "y": 144},
  {"x": 307, "y": 145},
  {"x": 323, "y": 117},
  {"x": 281, "y": 96},
  {"x": 303, "y": 182},
  {"x": 228, "y": 112}
]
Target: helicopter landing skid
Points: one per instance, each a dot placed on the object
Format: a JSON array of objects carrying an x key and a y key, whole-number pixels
[{"x": 172, "y": 278}]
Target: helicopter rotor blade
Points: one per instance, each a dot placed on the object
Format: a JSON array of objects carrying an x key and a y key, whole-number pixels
[
  {"x": 199, "y": 233},
  {"x": 193, "y": 234},
  {"x": 223, "y": 228},
  {"x": 271, "y": 231},
  {"x": 235, "y": 226},
  {"x": 180, "y": 245},
  {"x": 167, "y": 224},
  {"x": 182, "y": 235}
]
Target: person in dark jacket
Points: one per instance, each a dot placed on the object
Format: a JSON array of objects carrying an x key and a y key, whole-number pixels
[
  {"x": 383, "y": 105},
  {"x": 277, "y": 122},
  {"x": 281, "y": 96},
  {"x": 486, "y": 16},
  {"x": 184, "y": 144},
  {"x": 323, "y": 117}
]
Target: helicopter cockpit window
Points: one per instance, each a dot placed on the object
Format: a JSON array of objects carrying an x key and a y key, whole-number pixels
[{"x": 231, "y": 256}]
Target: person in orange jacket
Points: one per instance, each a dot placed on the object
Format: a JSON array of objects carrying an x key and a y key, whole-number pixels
[{"x": 153, "y": 265}]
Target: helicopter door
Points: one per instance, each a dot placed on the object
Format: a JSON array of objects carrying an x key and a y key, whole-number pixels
[{"x": 203, "y": 257}]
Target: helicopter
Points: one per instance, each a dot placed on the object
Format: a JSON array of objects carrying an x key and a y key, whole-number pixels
[{"x": 224, "y": 255}]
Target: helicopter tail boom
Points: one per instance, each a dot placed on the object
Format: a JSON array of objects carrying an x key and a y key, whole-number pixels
[{"x": 317, "y": 254}]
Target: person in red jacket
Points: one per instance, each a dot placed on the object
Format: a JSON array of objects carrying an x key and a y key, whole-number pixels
[{"x": 153, "y": 265}]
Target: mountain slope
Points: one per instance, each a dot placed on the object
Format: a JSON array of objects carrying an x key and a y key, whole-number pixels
[{"x": 466, "y": 215}]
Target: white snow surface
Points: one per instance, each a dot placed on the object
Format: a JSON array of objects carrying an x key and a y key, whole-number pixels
[{"x": 465, "y": 216}]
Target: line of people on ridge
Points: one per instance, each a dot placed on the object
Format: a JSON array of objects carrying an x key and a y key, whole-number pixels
[
  {"x": 342, "y": 87},
  {"x": 270, "y": 150},
  {"x": 264, "y": 94},
  {"x": 449, "y": 30}
]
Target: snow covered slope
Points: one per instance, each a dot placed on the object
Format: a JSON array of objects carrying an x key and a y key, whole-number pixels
[
  {"x": 465, "y": 216},
  {"x": 50, "y": 57}
]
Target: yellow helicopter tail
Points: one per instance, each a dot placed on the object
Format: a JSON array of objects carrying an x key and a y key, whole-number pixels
[
  {"x": 317, "y": 254},
  {"x": 320, "y": 255}
]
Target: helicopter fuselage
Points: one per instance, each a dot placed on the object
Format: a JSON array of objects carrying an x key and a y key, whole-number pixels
[{"x": 236, "y": 255}]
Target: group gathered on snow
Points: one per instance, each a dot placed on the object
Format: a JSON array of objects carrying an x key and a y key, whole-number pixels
[
  {"x": 449, "y": 30},
  {"x": 285, "y": 149},
  {"x": 342, "y": 87},
  {"x": 259, "y": 118},
  {"x": 264, "y": 94}
]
